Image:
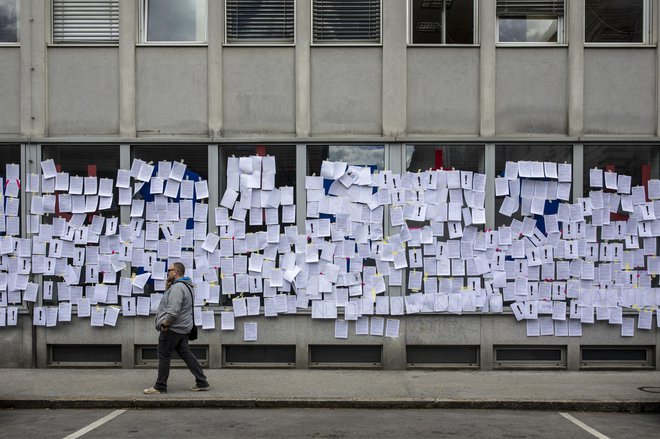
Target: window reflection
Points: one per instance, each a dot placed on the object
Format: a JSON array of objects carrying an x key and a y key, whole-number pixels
[
  {"x": 528, "y": 29},
  {"x": 176, "y": 20},
  {"x": 9, "y": 22},
  {"x": 536, "y": 153}
]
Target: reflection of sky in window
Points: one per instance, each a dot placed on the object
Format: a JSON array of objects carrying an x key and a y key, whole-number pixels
[
  {"x": 173, "y": 20},
  {"x": 367, "y": 155},
  {"x": 528, "y": 29},
  {"x": 8, "y": 20}
]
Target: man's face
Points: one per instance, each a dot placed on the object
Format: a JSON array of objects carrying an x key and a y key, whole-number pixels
[{"x": 171, "y": 274}]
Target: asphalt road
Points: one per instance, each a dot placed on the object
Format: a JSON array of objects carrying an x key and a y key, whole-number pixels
[{"x": 322, "y": 423}]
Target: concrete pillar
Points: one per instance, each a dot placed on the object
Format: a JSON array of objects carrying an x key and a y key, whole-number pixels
[
  {"x": 216, "y": 32},
  {"x": 127, "y": 327},
  {"x": 487, "y": 61},
  {"x": 128, "y": 22},
  {"x": 489, "y": 162},
  {"x": 578, "y": 171},
  {"x": 573, "y": 353},
  {"x": 303, "y": 69},
  {"x": 393, "y": 29},
  {"x": 301, "y": 193},
  {"x": 575, "y": 28},
  {"x": 34, "y": 19},
  {"x": 486, "y": 341},
  {"x": 394, "y": 349}
]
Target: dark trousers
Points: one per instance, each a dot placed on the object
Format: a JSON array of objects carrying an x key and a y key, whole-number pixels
[{"x": 168, "y": 342}]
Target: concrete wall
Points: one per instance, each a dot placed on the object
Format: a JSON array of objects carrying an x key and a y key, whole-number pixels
[
  {"x": 620, "y": 91},
  {"x": 10, "y": 96},
  {"x": 487, "y": 331},
  {"x": 83, "y": 97},
  {"x": 346, "y": 90},
  {"x": 259, "y": 91},
  {"x": 171, "y": 84},
  {"x": 443, "y": 90},
  {"x": 531, "y": 91}
]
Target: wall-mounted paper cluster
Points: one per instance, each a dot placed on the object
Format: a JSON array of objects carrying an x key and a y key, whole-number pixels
[
  {"x": 12, "y": 274},
  {"x": 557, "y": 264},
  {"x": 593, "y": 258}
]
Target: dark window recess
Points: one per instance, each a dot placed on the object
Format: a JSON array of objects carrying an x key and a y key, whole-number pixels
[
  {"x": 614, "y": 21},
  {"x": 608, "y": 354},
  {"x": 346, "y": 354},
  {"x": 346, "y": 20},
  {"x": 151, "y": 353},
  {"x": 85, "y": 353},
  {"x": 442, "y": 354},
  {"x": 260, "y": 20},
  {"x": 236, "y": 354},
  {"x": 428, "y": 17},
  {"x": 528, "y": 354}
]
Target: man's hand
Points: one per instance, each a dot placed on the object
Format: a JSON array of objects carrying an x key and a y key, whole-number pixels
[{"x": 163, "y": 327}]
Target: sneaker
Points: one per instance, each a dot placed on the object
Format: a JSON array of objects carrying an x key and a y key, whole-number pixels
[
  {"x": 196, "y": 388},
  {"x": 153, "y": 391}
]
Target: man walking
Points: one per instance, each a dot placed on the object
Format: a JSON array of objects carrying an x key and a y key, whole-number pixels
[{"x": 174, "y": 321}]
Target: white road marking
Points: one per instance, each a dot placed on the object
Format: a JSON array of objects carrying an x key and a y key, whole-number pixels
[
  {"x": 94, "y": 425},
  {"x": 584, "y": 426}
]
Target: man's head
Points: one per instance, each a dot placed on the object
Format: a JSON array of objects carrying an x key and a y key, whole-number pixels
[{"x": 176, "y": 271}]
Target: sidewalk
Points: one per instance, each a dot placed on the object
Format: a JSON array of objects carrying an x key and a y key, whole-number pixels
[{"x": 268, "y": 388}]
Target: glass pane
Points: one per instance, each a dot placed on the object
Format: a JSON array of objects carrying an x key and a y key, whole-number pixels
[
  {"x": 448, "y": 158},
  {"x": 80, "y": 161},
  {"x": 614, "y": 21},
  {"x": 460, "y": 22},
  {"x": 359, "y": 155},
  {"x": 459, "y": 157},
  {"x": 427, "y": 21},
  {"x": 10, "y": 223},
  {"x": 528, "y": 29},
  {"x": 176, "y": 20},
  {"x": 641, "y": 162},
  {"x": 537, "y": 153},
  {"x": 258, "y": 221},
  {"x": 9, "y": 21},
  {"x": 195, "y": 157}
]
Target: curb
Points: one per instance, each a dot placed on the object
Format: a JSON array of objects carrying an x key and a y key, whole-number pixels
[{"x": 584, "y": 406}]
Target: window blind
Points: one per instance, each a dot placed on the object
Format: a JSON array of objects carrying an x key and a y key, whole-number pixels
[
  {"x": 346, "y": 20},
  {"x": 91, "y": 21},
  {"x": 260, "y": 20},
  {"x": 529, "y": 7}
]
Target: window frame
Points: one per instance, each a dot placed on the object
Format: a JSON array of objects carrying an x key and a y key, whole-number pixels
[
  {"x": 475, "y": 28},
  {"x": 261, "y": 42},
  {"x": 76, "y": 42},
  {"x": 344, "y": 43},
  {"x": 561, "y": 33},
  {"x": 647, "y": 31},
  {"x": 18, "y": 28},
  {"x": 144, "y": 29}
]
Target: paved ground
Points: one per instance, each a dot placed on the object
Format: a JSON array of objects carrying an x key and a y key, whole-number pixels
[
  {"x": 324, "y": 423},
  {"x": 627, "y": 391}
]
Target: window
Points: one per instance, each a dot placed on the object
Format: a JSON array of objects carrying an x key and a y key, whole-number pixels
[
  {"x": 616, "y": 21},
  {"x": 346, "y": 21},
  {"x": 528, "y": 21},
  {"x": 9, "y": 24},
  {"x": 93, "y": 21},
  {"x": 442, "y": 21},
  {"x": 261, "y": 21},
  {"x": 174, "y": 21}
]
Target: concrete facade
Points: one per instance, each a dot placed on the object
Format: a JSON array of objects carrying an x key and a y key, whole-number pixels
[{"x": 393, "y": 94}]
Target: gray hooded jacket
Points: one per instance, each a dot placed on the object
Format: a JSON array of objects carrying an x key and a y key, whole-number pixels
[{"x": 176, "y": 306}]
